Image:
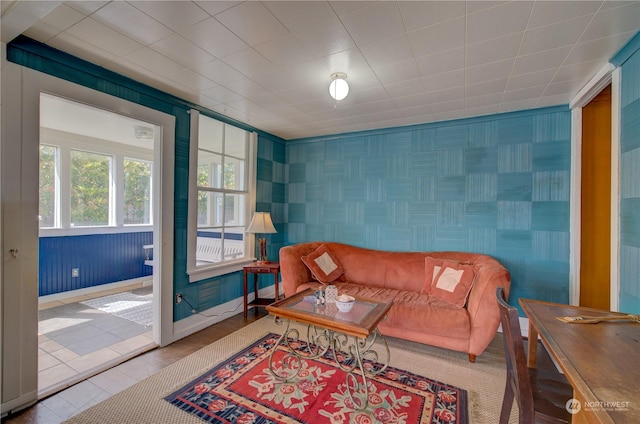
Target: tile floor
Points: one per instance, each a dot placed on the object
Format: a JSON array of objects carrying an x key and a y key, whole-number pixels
[
  {"x": 67, "y": 403},
  {"x": 76, "y": 341}
]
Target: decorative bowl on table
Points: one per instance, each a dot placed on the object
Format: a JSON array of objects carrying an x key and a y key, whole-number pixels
[{"x": 345, "y": 302}]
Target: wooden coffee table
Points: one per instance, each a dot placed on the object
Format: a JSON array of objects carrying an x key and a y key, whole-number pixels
[{"x": 349, "y": 337}]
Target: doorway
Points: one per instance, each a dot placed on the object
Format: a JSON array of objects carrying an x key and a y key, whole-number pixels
[
  {"x": 21, "y": 87},
  {"x": 595, "y": 203},
  {"x": 96, "y": 200}
]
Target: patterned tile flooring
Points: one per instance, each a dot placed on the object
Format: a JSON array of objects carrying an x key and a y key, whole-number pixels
[{"x": 76, "y": 341}]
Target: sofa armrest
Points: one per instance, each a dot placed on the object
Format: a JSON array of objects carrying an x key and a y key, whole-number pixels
[
  {"x": 294, "y": 272},
  {"x": 484, "y": 315}
]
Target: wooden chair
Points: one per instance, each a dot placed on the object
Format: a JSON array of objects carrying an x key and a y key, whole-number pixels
[{"x": 541, "y": 395}]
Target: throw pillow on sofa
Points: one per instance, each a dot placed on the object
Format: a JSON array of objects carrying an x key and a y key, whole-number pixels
[
  {"x": 448, "y": 280},
  {"x": 323, "y": 265}
]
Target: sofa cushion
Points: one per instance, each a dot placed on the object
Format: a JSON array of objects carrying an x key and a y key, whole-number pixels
[
  {"x": 323, "y": 265},
  {"x": 449, "y": 281}
]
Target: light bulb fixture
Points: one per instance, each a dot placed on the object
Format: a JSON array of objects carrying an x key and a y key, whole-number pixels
[{"x": 339, "y": 88}]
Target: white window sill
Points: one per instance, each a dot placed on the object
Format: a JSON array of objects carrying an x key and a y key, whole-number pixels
[{"x": 214, "y": 270}]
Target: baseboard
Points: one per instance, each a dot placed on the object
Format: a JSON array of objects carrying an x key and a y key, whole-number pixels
[
  {"x": 201, "y": 320},
  {"x": 145, "y": 281},
  {"x": 18, "y": 404}
]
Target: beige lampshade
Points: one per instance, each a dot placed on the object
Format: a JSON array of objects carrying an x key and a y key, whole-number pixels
[{"x": 261, "y": 223}]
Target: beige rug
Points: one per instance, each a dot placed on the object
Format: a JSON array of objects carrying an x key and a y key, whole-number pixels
[{"x": 143, "y": 402}]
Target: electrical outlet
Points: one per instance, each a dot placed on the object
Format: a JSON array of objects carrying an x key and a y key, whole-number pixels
[
  {"x": 75, "y": 272},
  {"x": 178, "y": 298}
]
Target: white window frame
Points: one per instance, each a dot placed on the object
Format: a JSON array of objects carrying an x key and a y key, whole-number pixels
[
  {"x": 197, "y": 271},
  {"x": 67, "y": 142}
]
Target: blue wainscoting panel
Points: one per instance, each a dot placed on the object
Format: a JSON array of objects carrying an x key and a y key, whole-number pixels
[
  {"x": 99, "y": 258},
  {"x": 497, "y": 185}
]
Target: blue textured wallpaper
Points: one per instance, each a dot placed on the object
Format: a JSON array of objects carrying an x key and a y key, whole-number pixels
[
  {"x": 629, "y": 300},
  {"x": 497, "y": 185}
]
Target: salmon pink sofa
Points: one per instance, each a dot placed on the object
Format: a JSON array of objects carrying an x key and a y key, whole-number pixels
[{"x": 444, "y": 299}]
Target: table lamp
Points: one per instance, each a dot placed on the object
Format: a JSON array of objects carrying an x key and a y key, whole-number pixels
[{"x": 261, "y": 224}]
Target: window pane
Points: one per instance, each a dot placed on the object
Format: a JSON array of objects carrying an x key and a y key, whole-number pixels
[
  {"x": 209, "y": 209},
  {"x": 234, "y": 174},
  {"x": 137, "y": 192},
  {"x": 234, "y": 209},
  {"x": 89, "y": 189},
  {"x": 235, "y": 142},
  {"x": 48, "y": 183},
  {"x": 210, "y": 134},
  {"x": 209, "y": 169}
]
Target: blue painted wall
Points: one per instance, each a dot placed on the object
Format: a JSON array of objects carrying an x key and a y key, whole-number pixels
[
  {"x": 497, "y": 185},
  {"x": 629, "y": 295},
  {"x": 100, "y": 258}
]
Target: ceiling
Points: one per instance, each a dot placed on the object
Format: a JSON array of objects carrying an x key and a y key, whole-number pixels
[{"x": 268, "y": 64}]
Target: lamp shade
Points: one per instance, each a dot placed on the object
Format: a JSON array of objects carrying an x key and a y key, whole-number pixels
[
  {"x": 261, "y": 223},
  {"x": 339, "y": 87}
]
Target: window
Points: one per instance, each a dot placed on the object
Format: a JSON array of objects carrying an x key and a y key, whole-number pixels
[
  {"x": 222, "y": 181},
  {"x": 137, "y": 192},
  {"x": 90, "y": 189},
  {"x": 49, "y": 213}
]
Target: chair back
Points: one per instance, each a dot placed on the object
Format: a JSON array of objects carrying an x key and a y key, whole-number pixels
[{"x": 517, "y": 373}]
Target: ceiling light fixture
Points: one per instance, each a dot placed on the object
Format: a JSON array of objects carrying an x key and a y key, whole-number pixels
[{"x": 339, "y": 88}]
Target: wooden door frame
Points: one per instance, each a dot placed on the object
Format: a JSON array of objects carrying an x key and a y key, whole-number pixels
[{"x": 608, "y": 74}]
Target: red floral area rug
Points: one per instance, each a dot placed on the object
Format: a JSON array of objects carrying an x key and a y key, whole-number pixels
[{"x": 243, "y": 390}]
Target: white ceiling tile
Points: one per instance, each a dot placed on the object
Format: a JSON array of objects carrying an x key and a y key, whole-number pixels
[
  {"x": 551, "y": 12},
  {"x": 62, "y": 17},
  {"x": 492, "y": 99},
  {"x": 420, "y": 14},
  {"x": 480, "y": 5},
  {"x": 296, "y": 15},
  {"x": 496, "y": 22},
  {"x": 404, "y": 88},
  {"x": 176, "y": 15},
  {"x": 249, "y": 62},
  {"x": 100, "y": 35},
  {"x": 531, "y": 79},
  {"x": 438, "y": 38},
  {"x": 481, "y": 110},
  {"x": 414, "y": 100},
  {"x": 252, "y": 22},
  {"x": 494, "y": 50},
  {"x": 328, "y": 38},
  {"x": 374, "y": 22},
  {"x": 578, "y": 70},
  {"x": 489, "y": 71},
  {"x": 446, "y": 94},
  {"x": 448, "y": 106},
  {"x": 182, "y": 50},
  {"x": 131, "y": 22},
  {"x": 518, "y": 105},
  {"x": 548, "y": 37},
  {"x": 213, "y": 37},
  {"x": 486, "y": 88},
  {"x": 215, "y": 7},
  {"x": 42, "y": 32},
  {"x": 81, "y": 48},
  {"x": 194, "y": 80},
  {"x": 86, "y": 7},
  {"x": 552, "y": 101},
  {"x": 247, "y": 88},
  {"x": 442, "y": 62},
  {"x": 342, "y": 7},
  {"x": 284, "y": 51},
  {"x": 221, "y": 94},
  {"x": 397, "y": 72},
  {"x": 595, "y": 49},
  {"x": 615, "y": 20},
  {"x": 526, "y": 93},
  {"x": 218, "y": 71},
  {"x": 151, "y": 60},
  {"x": 445, "y": 79},
  {"x": 389, "y": 50},
  {"x": 549, "y": 59}
]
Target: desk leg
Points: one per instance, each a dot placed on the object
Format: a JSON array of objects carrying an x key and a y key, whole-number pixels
[
  {"x": 532, "y": 346},
  {"x": 255, "y": 289},
  {"x": 245, "y": 293},
  {"x": 275, "y": 277}
]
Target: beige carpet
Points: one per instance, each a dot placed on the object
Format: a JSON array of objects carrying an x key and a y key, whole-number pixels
[{"x": 144, "y": 403}]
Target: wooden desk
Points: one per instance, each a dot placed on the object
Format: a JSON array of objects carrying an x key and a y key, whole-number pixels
[
  {"x": 601, "y": 361},
  {"x": 255, "y": 269}
]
